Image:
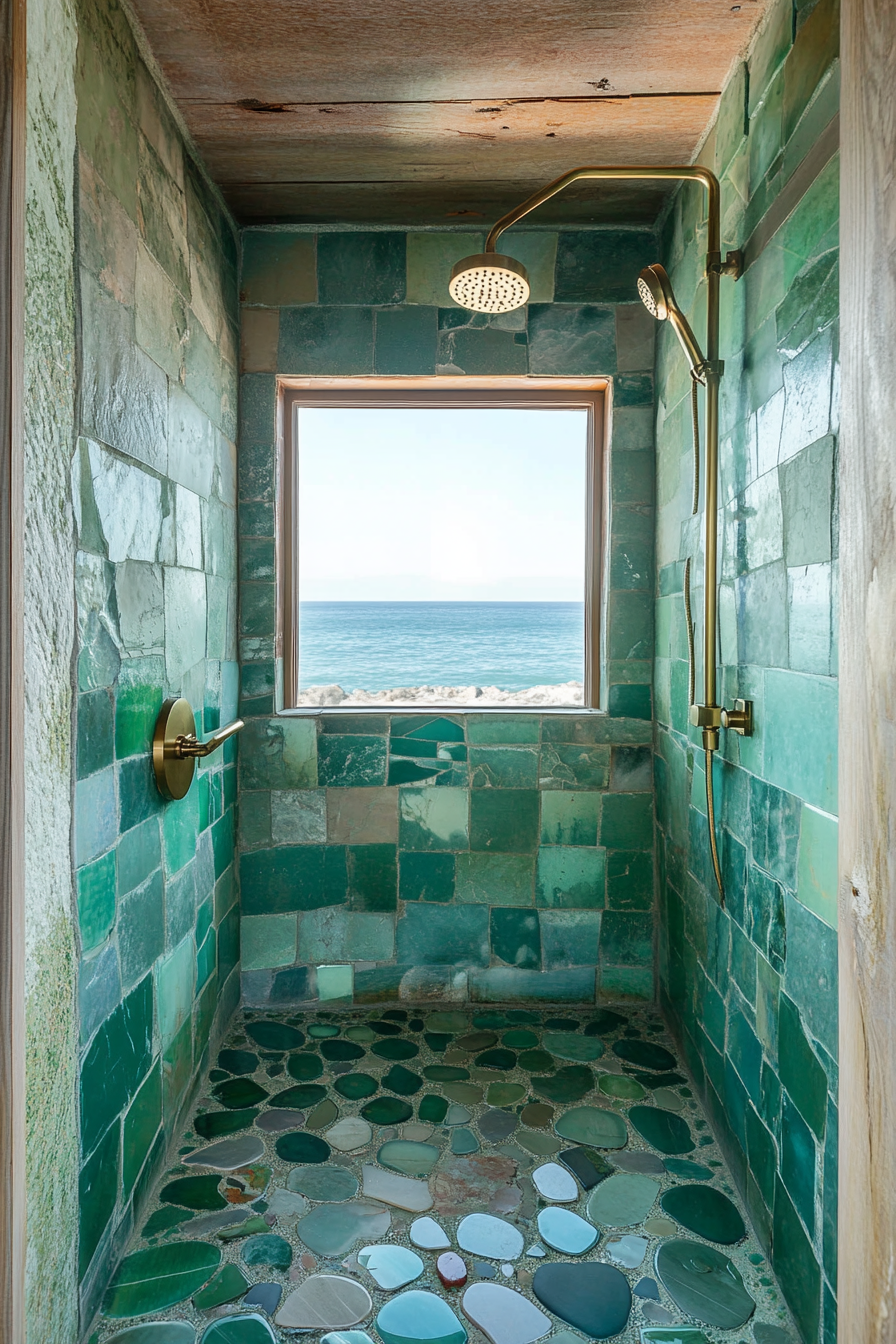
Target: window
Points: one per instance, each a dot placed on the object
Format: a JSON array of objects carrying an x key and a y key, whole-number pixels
[{"x": 440, "y": 545}]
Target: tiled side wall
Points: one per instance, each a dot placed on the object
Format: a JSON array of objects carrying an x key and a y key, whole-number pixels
[
  {"x": 492, "y": 857},
  {"x": 753, "y": 988},
  {"x": 154, "y": 493}
]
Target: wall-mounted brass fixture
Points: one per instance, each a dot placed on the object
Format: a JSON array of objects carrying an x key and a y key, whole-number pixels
[
  {"x": 492, "y": 282},
  {"x": 175, "y": 747}
]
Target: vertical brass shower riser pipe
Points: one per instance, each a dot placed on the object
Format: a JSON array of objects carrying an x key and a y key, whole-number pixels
[{"x": 709, "y": 717}]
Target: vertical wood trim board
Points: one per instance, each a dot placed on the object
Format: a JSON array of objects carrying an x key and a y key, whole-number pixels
[
  {"x": 12, "y": 783},
  {"x": 867, "y": 899}
]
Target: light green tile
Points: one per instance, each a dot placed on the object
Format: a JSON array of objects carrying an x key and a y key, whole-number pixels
[
  {"x": 335, "y": 983},
  {"x": 175, "y": 976},
  {"x": 570, "y": 818},
  {"x": 801, "y": 736},
  {"x": 494, "y": 879},
  {"x": 267, "y": 941},
  {"x": 538, "y": 253},
  {"x": 430, "y": 257},
  {"x": 817, "y": 871},
  {"x": 434, "y": 818}
]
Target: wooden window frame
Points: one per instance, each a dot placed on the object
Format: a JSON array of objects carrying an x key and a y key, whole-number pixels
[{"x": 589, "y": 394}]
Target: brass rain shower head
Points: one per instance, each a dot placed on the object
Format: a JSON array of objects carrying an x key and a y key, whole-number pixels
[
  {"x": 489, "y": 283},
  {"x": 655, "y": 289}
]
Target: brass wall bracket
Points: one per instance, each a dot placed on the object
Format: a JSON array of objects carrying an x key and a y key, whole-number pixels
[
  {"x": 175, "y": 747},
  {"x": 705, "y": 716},
  {"x": 740, "y": 718}
]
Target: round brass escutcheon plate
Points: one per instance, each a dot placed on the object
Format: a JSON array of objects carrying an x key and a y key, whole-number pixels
[{"x": 174, "y": 773}]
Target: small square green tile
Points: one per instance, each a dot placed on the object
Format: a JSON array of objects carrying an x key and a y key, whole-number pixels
[
  {"x": 351, "y": 761},
  {"x": 495, "y": 879},
  {"x": 443, "y": 935},
  {"x": 569, "y": 818},
  {"x": 817, "y": 878},
  {"x": 95, "y": 732},
  {"x": 372, "y": 877},
  {"x": 96, "y": 900},
  {"x": 515, "y": 937},
  {"x": 405, "y": 340},
  {"x": 627, "y": 821},
  {"x": 267, "y": 941},
  {"x": 326, "y": 340},
  {"x": 361, "y": 268},
  {"x": 430, "y": 258},
  {"x": 568, "y": 765},
  {"x": 425, "y": 877},
  {"x": 504, "y": 820},
  {"x": 630, "y": 880},
  {"x": 570, "y": 938},
  {"x": 335, "y": 984},
  {"x": 278, "y": 269},
  {"x": 432, "y": 818},
  {"x": 570, "y": 878},
  {"x": 503, "y": 767},
  {"x": 494, "y": 729}
]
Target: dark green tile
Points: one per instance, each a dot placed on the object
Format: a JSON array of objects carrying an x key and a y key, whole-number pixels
[
  {"x": 569, "y": 818},
  {"x": 138, "y": 794},
  {"x": 633, "y": 389},
  {"x": 482, "y": 351},
  {"x": 116, "y": 1062},
  {"x": 141, "y": 1125},
  {"x": 516, "y": 937},
  {"x": 566, "y": 338},
  {"x": 627, "y": 821},
  {"x": 403, "y": 771},
  {"x": 503, "y": 767},
  {"x": 801, "y": 1073},
  {"x": 138, "y": 699},
  {"x": 258, "y": 609},
  {"x": 811, "y": 973},
  {"x": 570, "y": 878},
  {"x": 601, "y": 266},
  {"x": 349, "y": 761},
  {"x": 326, "y": 340},
  {"x": 775, "y": 830},
  {"x": 630, "y": 880},
  {"x": 626, "y": 938},
  {"x": 426, "y": 729},
  {"x": 95, "y": 732},
  {"x": 798, "y": 1163},
  {"x": 361, "y": 268},
  {"x": 504, "y": 820},
  {"x": 574, "y": 766},
  {"x": 795, "y": 1265},
  {"x": 630, "y": 702},
  {"x": 372, "y": 877},
  {"x": 426, "y": 877},
  {"x": 406, "y": 339},
  {"x": 97, "y": 1193},
  {"x": 294, "y": 877}
]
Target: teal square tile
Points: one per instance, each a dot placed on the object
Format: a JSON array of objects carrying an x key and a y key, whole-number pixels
[
  {"x": 406, "y": 339},
  {"x": 570, "y": 878},
  {"x": 565, "y": 339},
  {"x": 430, "y": 259},
  {"x": 626, "y": 982},
  {"x": 504, "y": 820},
  {"x": 627, "y": 821},
  {"x": 278, "y": 753},
  {"x": 425, "y": 877},
  {"x": 630, "y": 880},
  {"x": 361, "y": 268},
  {"x": 601, "y": 266},
  {"x": 626, "y": 938},
  {"x": 350, "y": 761},
  {"x": 569, "y": 765},
  {"x": 494, "y": 729},
  {"x": 443, "y": 935},
  {"x": 258, "y": 604},
  {"x": 96, "y": 900},
  {"x": 817, "y": 876},
  {"x": 504, "y": 767},
  {"x": 515, "y": 937},
  {"x": 267, "y": 941},
  {"x": 630, "y": 702},
  {"x": 482, "y": 351},
  {"x": 293, "y": 877},
  {"x": 139, "y": 854},
  {"x": 326, "y": 340},
  {"x": 335, "y": 984},
  {"x": 570, "y": 818},
  {"x": 570, "y": 938}
]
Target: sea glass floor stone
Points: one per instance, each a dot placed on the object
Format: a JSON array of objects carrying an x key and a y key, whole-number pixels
[
  {"x": 468, "y": 1093},
  {"x": 565, "y": 1231},
  {"x": 457, "y": 1115},
  {"x": 542, "y": 1145},
  {"x": 238, "y": 1061},
  {"x": 227, "y": 1284},
  {"x": 591, "y": 1297},
  {"x": 604, "y": 1022},
  {"x": 152, "y": 1280},
  {"x": 387, "y": 1111},
  {"x": 402, "y": 1080},
  {"x": 483, "y": 1234},
  {"x": 627, "y": 1251},
  {"x": 504, "y": 1094},
  {"x": 341, "y": 1050},
  {"x": 346, "y": 1337},
  {"x": 684, "y": 1167},
  {"x": 569, "y": 1045},
  {"x": 417, "y": 1317},
  {"x": 156, "y": 1332},
  {"x": 537, "y": 1114},
  {"x": 361, "y": 1033},
  {"x": 325, "y": 1302},
  {"x": 567, "y": 1085},
  {"x": 428, "y": 1235},
  {"x": 645, "y": 1054},
  {"x": 356, "y": 1086},
  {"x": 322, "y": 1115},
  {"x": 445, "y": 1073},
  {"x": 302, "y": 1096},
  {"x": 593, "y": 1126},
  {"x": 519, "y": 1038},
  {"x": 618, "y": 1085},
  {"x": 505, "y": 1060},
  {"x": 464, "y": 1141},
  {"x": 228, "y": 1154},
  {"x": 304, "y": 1067},
  {"x": 267, "y": 1249},
  {"x": 411, "y": 1159},
  {"x": 589, "y": 1168},
  {"x": 767, "y": 1334},
  {"x": 494, "y": 1126},
  {"x": 390, "y": 1267},
  {"x": 276, "y": 1121},
  {"x": 646, "y": 1164},
  {"x": 302, "y": 1147},
  {"x": 622, "y": 1200},
  {"x": 215, "y": 1124},
  {"x": 326, "y": 1184},
  {"x": 322, "y": 1030},
  {"x": 395, "y": 1049},
  {"x": 194, "y": 1192},
  {"x": 477, "y": 1040},
  {"x": 675, "y": 1334},
  {"x": 333, "y": 1229},
  {"x": 452, "y": 1023},
  {"x": 349, "y": 1134},
  {"x": 554, "y": 1183},
  {"x": 504, "y": 1316},
  {"x": 669, "y": 1100},
  {"x": 242, "y": 1329},
  {"x": 704, "y": 1283},
  {"x": 664, "y": 1130},
  {"x": 275, "y": 1035},
  {"x": 433, "y": 1109},
  {"x": 537, "y": 1061},
  {"x": 706, "y": 1211}
]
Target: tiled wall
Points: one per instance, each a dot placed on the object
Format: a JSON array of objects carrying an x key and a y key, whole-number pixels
[
  {"x": 753, "y": 988},
  {"x": 154, "y": 492},
  {"x": 491, "y": 857}
]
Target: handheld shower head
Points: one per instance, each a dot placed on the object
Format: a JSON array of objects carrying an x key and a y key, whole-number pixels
[
  {"x": 489, "y": 283},
  {"x": 655, "y": 290}
]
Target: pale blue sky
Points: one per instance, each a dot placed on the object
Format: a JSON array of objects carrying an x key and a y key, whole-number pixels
[{"x": 442, "y": 505}]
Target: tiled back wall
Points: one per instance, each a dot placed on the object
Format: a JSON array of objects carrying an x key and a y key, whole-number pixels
[{"x": 494, "y": 857}]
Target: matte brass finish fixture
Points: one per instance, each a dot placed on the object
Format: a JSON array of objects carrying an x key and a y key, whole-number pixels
[
  {"x": 175, "y": 747},
  {"x": 740, "y": 718},
  {"x": 656, "y": 293},
  {"x": 655, "y": 289},
  {"x": 489, "y": 283}
]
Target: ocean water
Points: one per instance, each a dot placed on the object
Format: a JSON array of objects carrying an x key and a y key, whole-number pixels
[{"x": 378, "y": 646}]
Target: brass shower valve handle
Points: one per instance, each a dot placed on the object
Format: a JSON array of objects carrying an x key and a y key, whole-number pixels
[
  {"x": 176, "y": 748},
  {"x": 740, "y": 718},
  {"x": 705, "y": 716}
]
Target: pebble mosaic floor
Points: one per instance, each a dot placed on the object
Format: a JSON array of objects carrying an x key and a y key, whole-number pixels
[{"x": 442, "y": 1176}]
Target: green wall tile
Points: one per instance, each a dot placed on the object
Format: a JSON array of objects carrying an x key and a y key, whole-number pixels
[
  {"x": 96, "y": 900},
  {"x": 372, "y": 877},
  {"x": 504, "y": 820},
  {"x": 626, "y": 938},
  {"x": 433, "y": 818},
  {"x": 568, "y": 765},
  {"x": 601, "y": 266},
  {"x": 430, "y": 258},
  {"x": 627, "y": 821},
  {"x": 278, "y": 268},
  {"x": 326, "y": 340},
  {"x": 503, "y": 767},
  {"x": 338, "y": 934},
  {"x": 801, "y": 1073},
  {"x": 475, "y": 350},
  {"x": 97, "y": 1193},
  {"x": 493, "y": 729},
  {"x": 515, "y": 937},
  {"x": 804, "y": 763},
  {"x": 495, "y": 879},
  {"x": 293, "y": 877},
  {"x": 436, "y": 935},
  {"x": 570, "y": 878},
  {"x": 406, "y": 340},
  {"x": 361, "y": 268},
  {"x": 267, "y": 941},
  {"x": 630, "y": 880},
  {"x": 567, "y": 339},
  {"x": 795, "y": 1265},
  {"x": 350, "y": 761},
  {"x": 95, "y": 732},
  {"x": 817, "y": 877},
  {"x": 569, "y": 938},
  {"x": 425, "y": 877},
  {"x": 570, "y": 818},
  {"x": 279, "y": 754},
  {"x": 117, "y": 1060},
  {"x": 140, "y": 1126}
]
